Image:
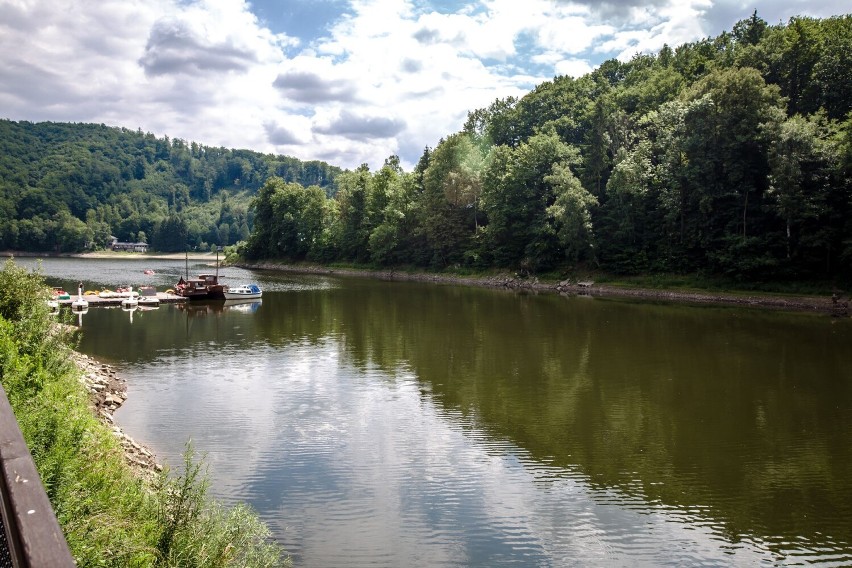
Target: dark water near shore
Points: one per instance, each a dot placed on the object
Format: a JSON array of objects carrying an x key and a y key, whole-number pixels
[{"x": 399, "y": 424}]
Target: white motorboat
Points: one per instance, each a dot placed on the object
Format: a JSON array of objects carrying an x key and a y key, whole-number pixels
[{"x": 244, "y": 292}]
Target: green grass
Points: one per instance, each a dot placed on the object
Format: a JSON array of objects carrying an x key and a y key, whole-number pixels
[{"x": 110, "y": 516}]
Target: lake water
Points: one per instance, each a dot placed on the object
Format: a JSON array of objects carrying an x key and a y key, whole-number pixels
[{"x": 380, "y": 423}]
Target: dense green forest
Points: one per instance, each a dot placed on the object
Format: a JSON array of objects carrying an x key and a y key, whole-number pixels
[
  {"x": 729, "y": 156},
  {"x": 68, "y": 187}
]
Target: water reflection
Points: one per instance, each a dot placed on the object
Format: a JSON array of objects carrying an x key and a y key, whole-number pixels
[
  {"x": 395, "y": 424},
  {"x": 743, "y": 416}
]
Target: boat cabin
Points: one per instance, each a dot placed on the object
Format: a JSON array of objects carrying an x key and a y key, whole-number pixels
[{"x": 206, "y": 286}]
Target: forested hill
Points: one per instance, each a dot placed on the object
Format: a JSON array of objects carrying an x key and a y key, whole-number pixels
[
  {"x": 731, "y": 155},
  {"x": 67, "y": 186}
]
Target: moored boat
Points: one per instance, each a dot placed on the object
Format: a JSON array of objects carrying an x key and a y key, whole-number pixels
[
  {"x": 130, "y": 301},
  {"x": 125, "y": 292},
  {"x": 80, "y": 303},
  {"x": 205, "y": 287},
  {"x": 243, "y": 292}
]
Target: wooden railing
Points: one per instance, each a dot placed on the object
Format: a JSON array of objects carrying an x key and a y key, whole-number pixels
[{"x": 33, "y": 537}]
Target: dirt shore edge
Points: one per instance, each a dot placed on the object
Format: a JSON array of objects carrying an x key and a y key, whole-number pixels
[{"x": 831, "y": 305}]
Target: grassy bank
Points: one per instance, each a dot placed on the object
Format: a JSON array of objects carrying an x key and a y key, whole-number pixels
[{"x": 110, "y": 516}]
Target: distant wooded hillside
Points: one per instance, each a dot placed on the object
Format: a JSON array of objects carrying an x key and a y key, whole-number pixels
[{"x": 64, "y": 187}]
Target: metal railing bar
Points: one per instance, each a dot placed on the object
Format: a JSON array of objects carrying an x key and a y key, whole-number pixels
[{"x": 33, "y": 535}]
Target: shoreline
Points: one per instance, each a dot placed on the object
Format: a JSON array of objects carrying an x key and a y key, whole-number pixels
[
  {"x": 107, "y": 392},
  {"x": 837, "y": 306}
]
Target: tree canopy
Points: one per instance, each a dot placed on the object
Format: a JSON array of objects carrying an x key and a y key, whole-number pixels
[
  {"x": 67, "y": 187},
  {"x": 730, "y": 156}
]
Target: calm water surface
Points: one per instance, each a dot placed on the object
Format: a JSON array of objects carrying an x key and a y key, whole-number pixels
[{"x": 396, "y": 424}]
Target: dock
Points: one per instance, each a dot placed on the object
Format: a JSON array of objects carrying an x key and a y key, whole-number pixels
[{"x": 96, "y": 301}]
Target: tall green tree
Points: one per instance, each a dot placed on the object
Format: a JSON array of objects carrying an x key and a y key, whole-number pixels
[
  {"x": 570, "y": 215},
  {"x": 392, "y": 209},
  {"x": 727, "y": 164},
  {"x": 352, "y": 197},
  {"x": 171, "y": 234},
  {"x": 449, "y": 206},
  {"x": 516, "y": 198},
  {"x": 799, "y": 183}
]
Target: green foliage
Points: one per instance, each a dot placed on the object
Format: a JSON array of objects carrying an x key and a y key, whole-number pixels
[
  {"x": 728, "y": 156},
  {"x": 196, "y": 533},
  {"x": 24, "y": 293},
  {"x": 110, "y": 516},
  {"x": 291, "y": 220},
  {"x": 68, "y": 187},
  {"x": 516, "y": 198},
  {"x": 571, "y": 215},
  {"x": 391, "y": 209},
  {"x": 181, "y": 499},
  {"x": 353, "y": 193},
  {"x": 171, "y": 234},
  {"x": 451, "y": 199}
]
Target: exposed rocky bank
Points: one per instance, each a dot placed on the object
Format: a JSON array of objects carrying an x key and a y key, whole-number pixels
[
  {"x": 107, "y": 392},
  {"x": 836, "y": 305}
]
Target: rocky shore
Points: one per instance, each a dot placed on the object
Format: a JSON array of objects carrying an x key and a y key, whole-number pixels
[
  {"x": 107, "y": 392},
  {"x": 836, "y": 305}
]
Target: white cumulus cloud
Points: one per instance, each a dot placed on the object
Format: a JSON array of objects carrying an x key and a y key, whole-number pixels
[{"x": 383, "y": 77}]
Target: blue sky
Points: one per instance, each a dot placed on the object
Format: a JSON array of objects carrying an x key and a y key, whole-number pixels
[{"x": 345, "y": 81}]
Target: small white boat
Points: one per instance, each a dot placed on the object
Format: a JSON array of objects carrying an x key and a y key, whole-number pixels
[
  {"x": 130, "y": 301},
  {"x": 244, "y": 292},
  {"x": 80, "y": 303},
  {"x": 53, "y": 306}
]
